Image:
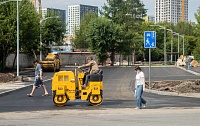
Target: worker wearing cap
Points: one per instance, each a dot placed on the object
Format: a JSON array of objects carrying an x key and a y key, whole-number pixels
[{"x": 93, "y": 68}]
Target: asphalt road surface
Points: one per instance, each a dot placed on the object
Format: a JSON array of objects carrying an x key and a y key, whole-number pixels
[{"x": 118, "y": 101}]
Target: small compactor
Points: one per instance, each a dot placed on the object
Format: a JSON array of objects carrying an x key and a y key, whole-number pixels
[{"x": 68, "y": 85}]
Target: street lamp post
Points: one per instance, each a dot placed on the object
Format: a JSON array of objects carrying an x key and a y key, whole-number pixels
[
  {"x": 17, "y": 38},
  {"x": 183, "y": 44},
  {"x": 40, "y": 42},
  {"x": 41, "y": 33},
  {"x": 165, "y": 57},
  {"x": 17, "y": 31},
  {"x": 178, "y": 41},
  {"x": 171, "y": 43}
]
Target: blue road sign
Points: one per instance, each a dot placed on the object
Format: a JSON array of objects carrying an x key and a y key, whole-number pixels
[{"x": 149, "y": 39}]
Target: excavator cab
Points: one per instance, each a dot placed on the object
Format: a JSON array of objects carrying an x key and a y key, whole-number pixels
[{"x": 67, "y": 85}]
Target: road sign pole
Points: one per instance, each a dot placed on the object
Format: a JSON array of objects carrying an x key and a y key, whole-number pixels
[
  {"x": 149, "y": 42},
  {"x": 149, "y": 68}
]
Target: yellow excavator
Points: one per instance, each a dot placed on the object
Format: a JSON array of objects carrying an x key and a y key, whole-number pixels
[{"x": 52, "y": 62}]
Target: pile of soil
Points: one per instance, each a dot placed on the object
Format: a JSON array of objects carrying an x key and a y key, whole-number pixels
[
  {"x": 186, "y": 86},
  {"x": 7, "y": 77}
]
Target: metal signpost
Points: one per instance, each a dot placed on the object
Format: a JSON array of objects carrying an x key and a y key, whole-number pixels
[{"x": 149, "y": 42}]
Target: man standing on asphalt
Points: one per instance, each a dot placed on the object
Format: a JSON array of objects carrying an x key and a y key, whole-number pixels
[{"x": 38, "y": 79}]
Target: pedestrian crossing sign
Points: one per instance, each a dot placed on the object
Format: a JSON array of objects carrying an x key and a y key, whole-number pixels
[{"x": 149, "y": 39}]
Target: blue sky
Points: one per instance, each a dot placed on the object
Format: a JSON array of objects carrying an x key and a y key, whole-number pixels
[{"x": 149, "y": 4}]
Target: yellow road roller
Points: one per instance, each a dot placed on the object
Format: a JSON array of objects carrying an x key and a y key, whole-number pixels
[
  {"x": 52, "y": 62},
  {"x": 68, "y": 85}
]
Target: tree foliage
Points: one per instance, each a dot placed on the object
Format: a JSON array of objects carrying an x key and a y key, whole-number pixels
[
  {"x": 104, "y": 36},
  {"x": 28, "y": 25},
  {"x": 124, "y": 18},
  {"x": 80, "y": 34},
  {"x": 29, "y": 28},
  {"x": 129, "y": 15},
  {"x": 7, "y": 31},
  {"x": 195, "y": 52},
  {"x": 53, "y": 29}
]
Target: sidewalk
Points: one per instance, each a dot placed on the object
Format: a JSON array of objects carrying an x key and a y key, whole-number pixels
[{"x": 6, "y": 88}]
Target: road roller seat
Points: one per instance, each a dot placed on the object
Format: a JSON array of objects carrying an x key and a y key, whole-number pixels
[{"x": 97, "y": 76}]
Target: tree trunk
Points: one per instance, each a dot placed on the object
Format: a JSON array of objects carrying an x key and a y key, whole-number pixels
[
  {"x": 13, "y": 66},
  {"x": 112, "y": 58},
  {"x": 34, "y": 54},
  {"x": 133, "y": 57},
  {"x": 3, "y": 61}
]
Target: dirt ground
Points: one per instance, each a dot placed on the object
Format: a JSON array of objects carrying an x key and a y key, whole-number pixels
[
  {"x": 7, "y": 77},
  {"x": 186, "y": 86}
]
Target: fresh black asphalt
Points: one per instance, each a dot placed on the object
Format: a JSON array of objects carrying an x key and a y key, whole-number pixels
[{"x": 118, "y": 92}]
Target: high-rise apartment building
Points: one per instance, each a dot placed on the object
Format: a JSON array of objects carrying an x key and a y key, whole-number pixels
[
  {"x": 62, "y": 13},
  {"x": 75, "y": 14},
  {"x": 171, "y": 11}
]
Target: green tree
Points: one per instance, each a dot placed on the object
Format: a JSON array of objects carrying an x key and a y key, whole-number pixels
[
  {"x": 29, "y": 28},
  {"x": 53, "y": 29},
  {"x": 188, "y": 30},
  {"x": 7, "y": 31},
  {"x": 183, "y": 28},
  {"x": 197, "y": 34},
  {"x": 28, "y": 20},
  {"x": 129, "y": 15},
  {"x": 104, "y": 36},
  {"x": 80, "y": 34}
]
